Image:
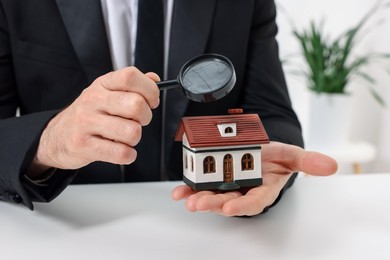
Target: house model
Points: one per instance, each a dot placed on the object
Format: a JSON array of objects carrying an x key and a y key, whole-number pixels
[{"x": 222, "y": 152}]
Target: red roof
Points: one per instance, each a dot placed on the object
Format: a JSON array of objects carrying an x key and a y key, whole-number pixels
[{"x": 202, "y": 131}]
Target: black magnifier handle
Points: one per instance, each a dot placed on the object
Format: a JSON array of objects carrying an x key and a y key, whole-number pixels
[{"x": 168, "y": 84}]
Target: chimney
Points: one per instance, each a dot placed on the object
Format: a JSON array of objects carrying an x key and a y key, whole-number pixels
[{"x": 235, "y": 111}]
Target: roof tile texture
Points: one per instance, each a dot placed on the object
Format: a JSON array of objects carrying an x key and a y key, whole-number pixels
[{"x": 202, "y": 131}]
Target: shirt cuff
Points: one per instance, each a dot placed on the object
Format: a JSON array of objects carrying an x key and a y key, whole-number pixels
[{"x": 43, "y": 181}]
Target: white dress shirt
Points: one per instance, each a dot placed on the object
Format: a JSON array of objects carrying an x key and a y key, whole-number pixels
[{"x": 120, "y": 17}]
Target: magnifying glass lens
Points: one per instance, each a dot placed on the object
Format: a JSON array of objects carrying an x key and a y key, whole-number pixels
[{"x": 206, "y": 76}]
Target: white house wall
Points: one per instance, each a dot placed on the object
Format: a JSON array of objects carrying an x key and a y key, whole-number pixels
[{"x": 199, "y": 156}]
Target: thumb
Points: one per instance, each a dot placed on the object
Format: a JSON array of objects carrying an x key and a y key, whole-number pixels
[
  {"x": 153, "y": 76},
  {"x": 297, "y": 159},
  {"x": 315, "y": 163}
]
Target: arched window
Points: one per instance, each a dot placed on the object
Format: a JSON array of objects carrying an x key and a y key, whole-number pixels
[
  {"x": 185, "y": 160},
  {"x": 247, "y": 162},
  {"x": 192, "y": 163},
  {"x": 209, "y": 165},
  {"x": 228, "y": 130}
]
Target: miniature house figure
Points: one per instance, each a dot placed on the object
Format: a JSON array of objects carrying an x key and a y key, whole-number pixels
[{"x": 222, "y": 152}]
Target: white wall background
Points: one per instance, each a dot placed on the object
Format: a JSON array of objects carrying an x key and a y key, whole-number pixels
[{"x": 370, "y": 121}]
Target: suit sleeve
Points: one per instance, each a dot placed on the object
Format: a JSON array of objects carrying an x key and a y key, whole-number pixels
[
  {"x": 19, "y": 137},
  {"x": 266, "y": 91}
]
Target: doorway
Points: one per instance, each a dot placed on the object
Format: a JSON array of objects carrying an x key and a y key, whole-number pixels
[{"x": 228, "y": 168}]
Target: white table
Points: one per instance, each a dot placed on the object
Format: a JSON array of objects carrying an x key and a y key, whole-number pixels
[{"x": 340, "y": 217}]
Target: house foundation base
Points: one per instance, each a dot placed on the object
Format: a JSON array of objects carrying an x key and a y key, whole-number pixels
[{"x": 223, "y": 186}]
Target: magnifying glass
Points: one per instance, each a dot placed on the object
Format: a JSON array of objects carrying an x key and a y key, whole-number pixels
[{"x": 205, "y": 78}]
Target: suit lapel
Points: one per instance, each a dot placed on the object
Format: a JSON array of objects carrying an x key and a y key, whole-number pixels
[
  {"x": 84, "y": 22},
  {"x": 191, "y": 24}
]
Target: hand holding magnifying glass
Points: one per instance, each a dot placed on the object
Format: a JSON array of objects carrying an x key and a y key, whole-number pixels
[{"x": 205, "y": 78}]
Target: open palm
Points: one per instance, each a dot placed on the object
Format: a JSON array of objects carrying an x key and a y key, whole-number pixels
[{"x": 279, "y": 161}]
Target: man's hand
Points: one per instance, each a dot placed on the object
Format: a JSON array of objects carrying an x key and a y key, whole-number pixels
[
  {"x": 102, "y": 124},
  {"x": 279, "y": 161}
]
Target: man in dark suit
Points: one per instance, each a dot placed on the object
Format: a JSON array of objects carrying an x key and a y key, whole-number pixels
[{"x": 80, "y": 122}]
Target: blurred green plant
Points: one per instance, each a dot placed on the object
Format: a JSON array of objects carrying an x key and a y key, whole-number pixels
[{"x": 332, "y": 64}]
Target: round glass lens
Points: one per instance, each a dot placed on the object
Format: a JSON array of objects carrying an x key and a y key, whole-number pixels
[{"x": 206, "y": 76}]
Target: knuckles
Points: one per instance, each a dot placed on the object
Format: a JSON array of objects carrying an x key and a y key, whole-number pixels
[
  {"x": 129, "y": 130},
  {"x": 140, "y": 110},
  {"x": 130, "y": 79},
  {"x": 135, "y": 134},
  {"x": 127, "y": 76},
  {"x": 125, "y": 155},
  {"x": 91, "y": 96}
]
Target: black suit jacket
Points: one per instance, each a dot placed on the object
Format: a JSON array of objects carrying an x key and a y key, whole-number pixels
[{"x": 50, "y": 50}]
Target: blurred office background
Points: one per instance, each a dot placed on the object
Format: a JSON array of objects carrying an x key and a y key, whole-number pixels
[{"x": 370, "y": 122}]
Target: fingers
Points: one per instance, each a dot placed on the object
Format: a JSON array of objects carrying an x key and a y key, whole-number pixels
[
  {"x": 115, "y": 129},
  {"x": 314, "y": 163},
  {"x": 210, "y": 201},
  {"x": 127, "y": 105},
  {"x": 182, "y": 192},
  {"x": 252, "y": 203},
  {"x": 204, "y": 200},
  {"x": 232, "y": 203},
  {"x": 153, "y": 76},
  {"x": 290, "y": 158},
  {"x": 130, "y": 79},
  {"x": 108, "y": 151},
  {"x": 67, "y": 144}
]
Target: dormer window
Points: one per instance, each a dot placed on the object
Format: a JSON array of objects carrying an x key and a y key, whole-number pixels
[{"x": 227, "y": 129}]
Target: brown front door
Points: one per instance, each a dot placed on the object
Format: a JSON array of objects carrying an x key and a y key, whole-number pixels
[{"x": 228, "y": 168}]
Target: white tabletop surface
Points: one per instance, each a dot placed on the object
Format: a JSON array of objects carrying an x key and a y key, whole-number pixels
[{"x": 340, "y": 217}]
